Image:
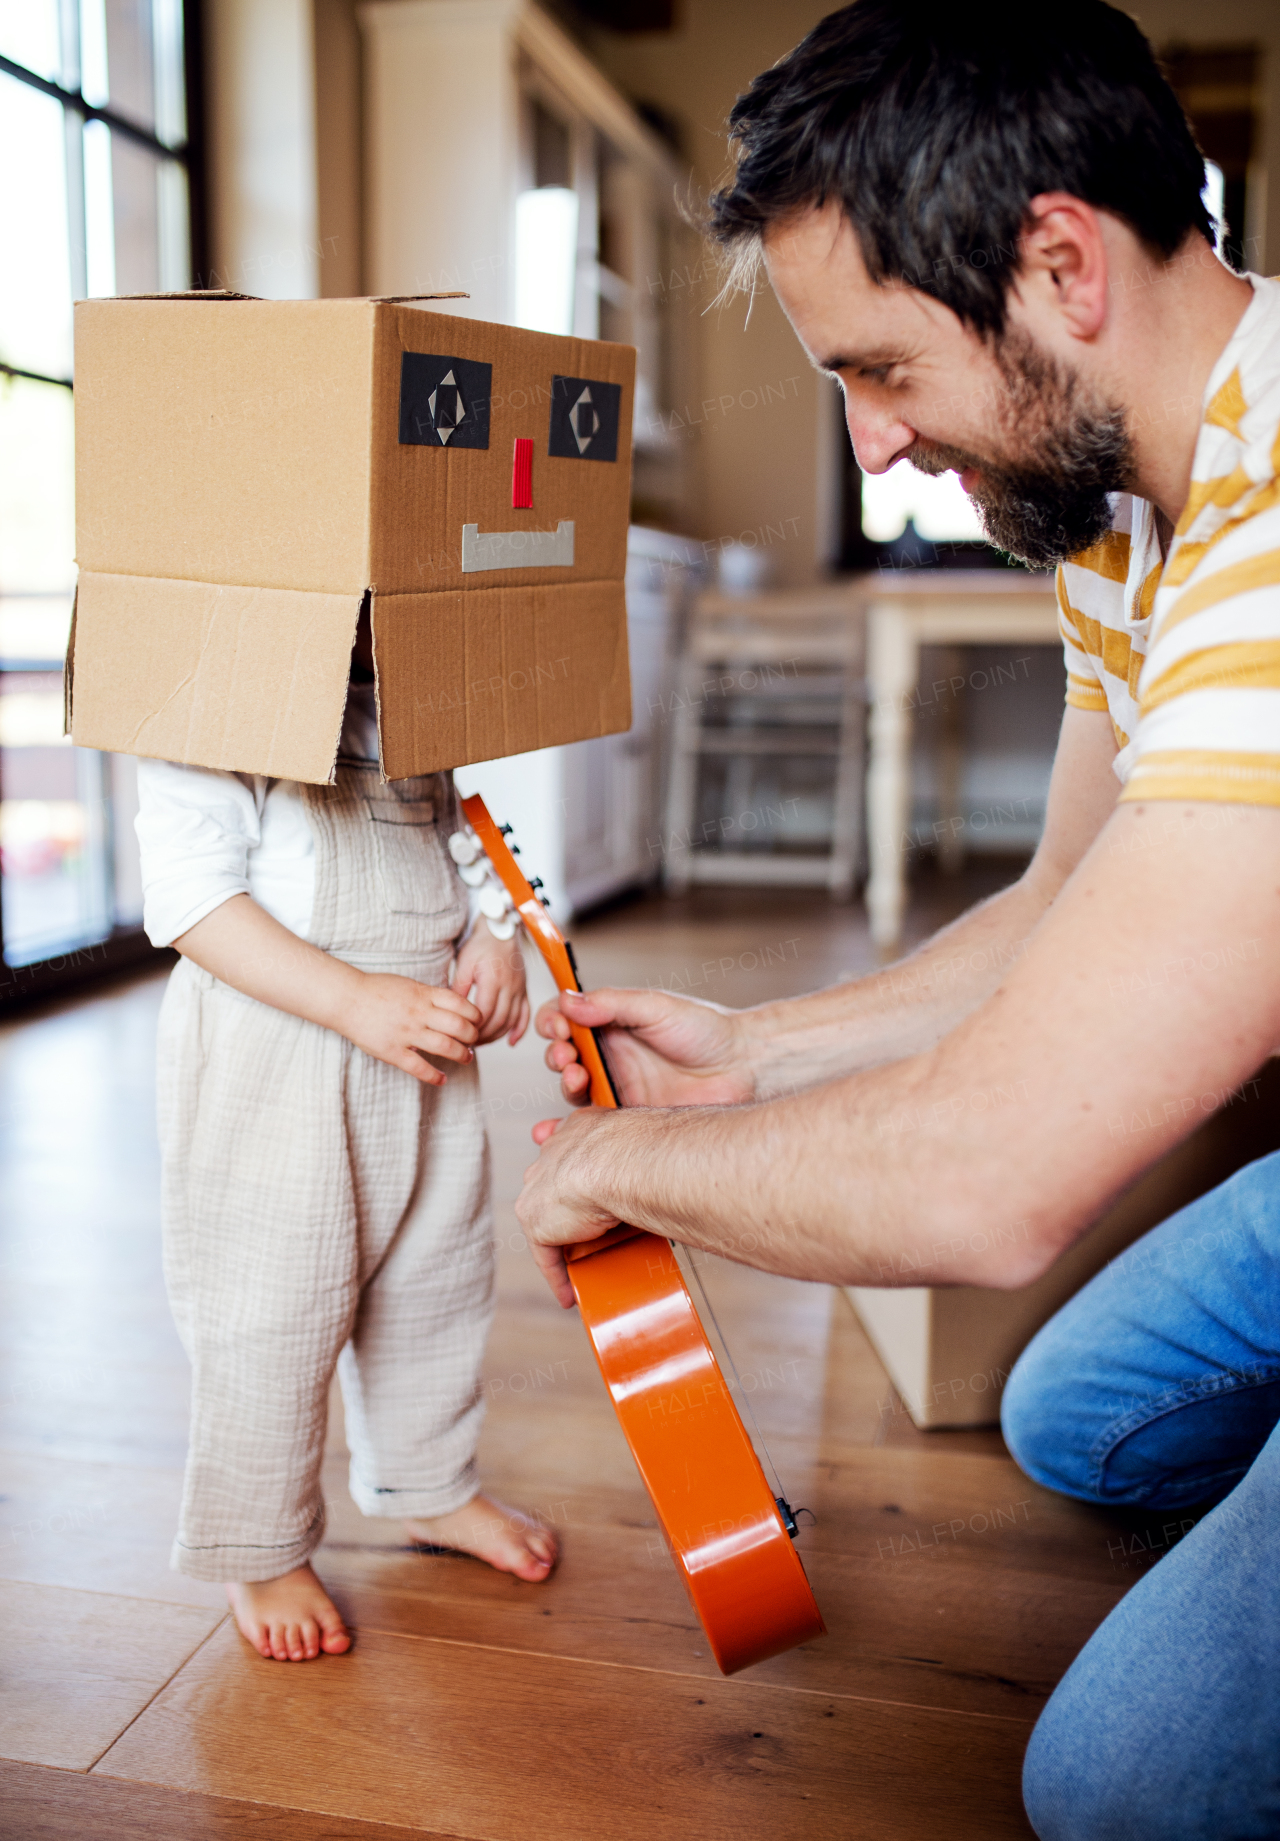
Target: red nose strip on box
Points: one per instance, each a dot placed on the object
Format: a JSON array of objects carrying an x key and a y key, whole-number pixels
[{"x": 522, "y": 475}]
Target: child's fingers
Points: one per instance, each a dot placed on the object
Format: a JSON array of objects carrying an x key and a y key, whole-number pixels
[
  {"x": 445, "y": 997},
  {"x": 413, "y": 1063},
  {"x": 435, "y": 1042},
  {"x": 521, "y": 1023},
  {"x": 500, "y": 1018},
  {"x": 449, "y": 1023}
]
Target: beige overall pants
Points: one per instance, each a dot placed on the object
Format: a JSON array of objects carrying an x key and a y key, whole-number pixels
[{"x": 322, "y": 1208}]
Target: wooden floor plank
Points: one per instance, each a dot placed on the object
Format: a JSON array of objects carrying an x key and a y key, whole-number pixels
[
  {"x": 432, "y": 1726},
  {"x": 889, "y": 1504},
  {"x": 512, "y": 1747},
  {"x": 100, "y": 1527},
  {"x": 939, "y": 1635},
  {"x": 39, "y": 1804},
  {"x": 79, "y": 1666}
]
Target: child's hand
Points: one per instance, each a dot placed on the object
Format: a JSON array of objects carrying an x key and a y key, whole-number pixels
[
  {"x": 491, "y": 973},
  {"x": 396, "y": 1020},
  {"x": 401, "y": 1021}
]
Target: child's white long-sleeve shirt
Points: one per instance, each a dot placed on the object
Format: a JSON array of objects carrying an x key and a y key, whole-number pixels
[{"x": 206, "y": 835}]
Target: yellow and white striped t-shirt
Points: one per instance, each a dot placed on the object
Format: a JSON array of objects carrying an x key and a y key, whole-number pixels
[{"x": 1186, "y": 656}]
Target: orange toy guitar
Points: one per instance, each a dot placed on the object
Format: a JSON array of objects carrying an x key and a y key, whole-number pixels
[{"x": 730, "y": 1537}]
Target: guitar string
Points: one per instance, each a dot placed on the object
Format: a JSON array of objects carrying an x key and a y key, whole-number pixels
[{"x": 724, "y": 1344}]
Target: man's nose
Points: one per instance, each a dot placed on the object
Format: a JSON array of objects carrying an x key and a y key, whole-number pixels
[{"x": 878, "y": 439}]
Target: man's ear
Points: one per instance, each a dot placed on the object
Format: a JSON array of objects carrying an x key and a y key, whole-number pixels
[{"x": 1062, "y": 267}]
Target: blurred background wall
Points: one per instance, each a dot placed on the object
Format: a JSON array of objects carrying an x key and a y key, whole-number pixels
[
  {"x": 290, "y": 204},
  {"x": 535, "y": 156}
]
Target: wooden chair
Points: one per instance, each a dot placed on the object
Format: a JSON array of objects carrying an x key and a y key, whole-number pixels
[{"x": 763, "y": 679}]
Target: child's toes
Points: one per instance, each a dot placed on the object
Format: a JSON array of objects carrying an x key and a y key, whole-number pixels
[
  {"x": 279, "y": 1643},
  {"x": 543, "y": 1547},
  {"x": 333, "y": 1636},
  {"x": 531, "y": 1552}
]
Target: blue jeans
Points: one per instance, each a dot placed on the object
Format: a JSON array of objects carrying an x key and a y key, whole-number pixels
[{"x": 1158, "y": 1386}]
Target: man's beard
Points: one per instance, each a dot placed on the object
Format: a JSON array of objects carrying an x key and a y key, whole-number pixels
[{"x": 1050, "y": 501}]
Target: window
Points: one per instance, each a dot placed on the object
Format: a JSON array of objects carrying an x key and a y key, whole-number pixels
[
  {"x": 94, "y": 184},
  {"x": 904, "y": 519},
  {"x": 1220, "y": 87}
]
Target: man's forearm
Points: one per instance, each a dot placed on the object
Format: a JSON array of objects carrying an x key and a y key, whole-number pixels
[
  {"x": 1140, "y": 1004},
  {"x": 900, "y": 1011}
]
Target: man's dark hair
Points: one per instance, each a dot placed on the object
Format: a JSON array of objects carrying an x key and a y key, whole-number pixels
[{"x": 935, "y": 124}]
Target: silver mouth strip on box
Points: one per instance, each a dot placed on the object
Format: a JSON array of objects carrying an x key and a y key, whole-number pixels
[{"x": 517, "y": 549}]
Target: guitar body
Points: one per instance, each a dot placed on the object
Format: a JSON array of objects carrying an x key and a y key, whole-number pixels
[
  {"x": 713, "y": 1501},
  {"x": 722, "y": 1524}
]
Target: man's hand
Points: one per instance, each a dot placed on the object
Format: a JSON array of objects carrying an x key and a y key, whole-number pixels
[
  {"x": 662, "y": 1050},
  {"x": 552, "y": 1208},
  {"x": 491, "y": 973}
]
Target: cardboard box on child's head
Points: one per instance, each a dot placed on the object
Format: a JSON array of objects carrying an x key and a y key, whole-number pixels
[{"x": 249, "y": 472}]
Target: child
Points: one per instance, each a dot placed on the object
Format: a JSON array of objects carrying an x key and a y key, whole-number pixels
[{"x": 325, "y": 1185}]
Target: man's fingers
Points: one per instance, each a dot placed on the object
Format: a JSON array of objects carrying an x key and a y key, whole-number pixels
[
  {"x": 550, "y": 1023},
  {"x": 550, "y": 1262},
  {"x": 629, "y": 1009},
  {"x": 562, "y": 1059}
]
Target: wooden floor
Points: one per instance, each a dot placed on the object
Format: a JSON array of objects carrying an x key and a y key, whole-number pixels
[{"x": 472, "y": 1705}]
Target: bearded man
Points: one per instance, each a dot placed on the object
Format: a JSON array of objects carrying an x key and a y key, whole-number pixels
[{"x": 989, "y": 227}]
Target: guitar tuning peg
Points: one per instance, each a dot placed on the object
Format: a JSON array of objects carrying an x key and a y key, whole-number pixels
[
  {"x": 515, "y": 850},
  {"x": 544, "y": 901},
  {"x": 505, "y": 830},
  {"x": 537, "y": 883}
]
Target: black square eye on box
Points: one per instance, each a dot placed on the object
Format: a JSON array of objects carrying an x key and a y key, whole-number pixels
[
  {"x": 584, "y": 418},
  {"x": 444, "y": 402}
]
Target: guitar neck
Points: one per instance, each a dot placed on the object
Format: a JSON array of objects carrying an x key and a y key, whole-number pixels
[{"x": 549, "y": 940}]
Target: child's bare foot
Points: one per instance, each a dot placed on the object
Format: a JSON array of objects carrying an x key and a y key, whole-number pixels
[
  {"x": 289, "y": 1619},
  {"x": 507, "y": 1538}
]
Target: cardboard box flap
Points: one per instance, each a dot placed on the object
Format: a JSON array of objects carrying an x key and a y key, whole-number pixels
[
  {"x": 477, "y": 674},
  {"x": 68, "y": 668},
  {"x": 252, "y": 680},
  {"x": 407, "y": 300},
  {"x": 374, "y": 300},
  {"x": 192, "y": 294}
]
